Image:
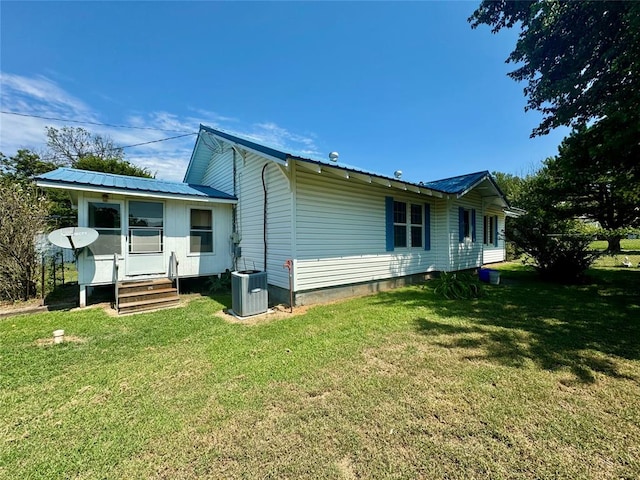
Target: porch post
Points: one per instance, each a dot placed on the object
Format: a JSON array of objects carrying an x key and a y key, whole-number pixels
[{"x": 83, "y": 296}]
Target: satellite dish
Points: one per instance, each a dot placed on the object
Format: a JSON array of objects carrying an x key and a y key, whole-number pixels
[{"x": 73, "y": 237}]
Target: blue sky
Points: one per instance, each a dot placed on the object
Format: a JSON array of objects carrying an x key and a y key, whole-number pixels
[{"x": 389, "y": 85}]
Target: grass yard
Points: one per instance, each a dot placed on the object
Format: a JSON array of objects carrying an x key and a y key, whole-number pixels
[
  {"x": 533, "y": 381},
  {"x": 630, "y": 250}
]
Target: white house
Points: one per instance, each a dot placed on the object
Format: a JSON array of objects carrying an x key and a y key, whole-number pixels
[{"x": 248, "y": 206}]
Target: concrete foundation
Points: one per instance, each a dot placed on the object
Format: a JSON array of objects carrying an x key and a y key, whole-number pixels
[{"x": 279, "y": 295}]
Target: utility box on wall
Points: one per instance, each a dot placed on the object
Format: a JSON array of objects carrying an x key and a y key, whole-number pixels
[{"x": 249, "y": 292}]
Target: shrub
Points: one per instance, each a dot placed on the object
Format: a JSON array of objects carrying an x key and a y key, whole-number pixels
[
  {"x": 22, "y": 216},
  {"x": 559, "y": 250},
  {"x": 457, "y": 285},
  {"x": 219, "y": 284}
]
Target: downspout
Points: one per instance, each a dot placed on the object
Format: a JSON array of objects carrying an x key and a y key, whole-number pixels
[
  {"x": 234, "y": 213},
  {"x": 264, "y": 216}
]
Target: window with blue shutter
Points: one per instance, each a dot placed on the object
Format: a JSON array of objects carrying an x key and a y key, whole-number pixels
[
  {"x": 495, "y": 230},
  {"x": 406, "y": 225}
]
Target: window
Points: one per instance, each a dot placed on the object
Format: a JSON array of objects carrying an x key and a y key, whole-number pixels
[
  {"x": 399, "y": 224},
  {"x": 407, "y": 230},
  {"x": 407, "y": 225},
  {"x": 105, "y": 218},
  {"x": 487, "y": 228},
  {"x": 416, "y": 225},
  {"x": 490, "y": 228},
  {"x": 201, "y": 233},
  {"x": 146, "y": 221},
  {"x": 466, "y": 224}
]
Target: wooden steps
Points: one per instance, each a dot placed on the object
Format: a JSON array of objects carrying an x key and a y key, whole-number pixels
[{"x": 143, "y": 295}]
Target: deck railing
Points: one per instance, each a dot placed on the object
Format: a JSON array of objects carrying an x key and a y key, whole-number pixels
[{"x": 174, "y": 271}]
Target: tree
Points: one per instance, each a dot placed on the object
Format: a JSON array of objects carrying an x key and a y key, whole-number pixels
[
  {"x": 579, "y": 59},
  {"x": 24, "y": 165},
  {"x": 557, "y": 246},
  {"x": 67, "y": 145},
  {"x": 580, "y": 62},
  {"x": 23, "y": 212},
  {"x": 594, "y": 177},
  {"x": 111, "y": 165},
  {"x": 511, "y": 186},
  {"x": 78, "y": 148}
]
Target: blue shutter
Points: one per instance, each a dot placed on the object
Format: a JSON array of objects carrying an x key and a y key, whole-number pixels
[
  {"x": 461, "y": 224},
  {"x": 472, "y": 227},
  {"x": 388, "y": 203},
  {"x": 495, "y": 230},
  {"x": 427, "y": 226}
]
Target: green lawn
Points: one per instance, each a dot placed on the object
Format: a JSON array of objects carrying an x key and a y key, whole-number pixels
[
  {"x": 630, "y": 250},
  {"x": 626, "y": 244},
  {"x": 533, "y": 381}
]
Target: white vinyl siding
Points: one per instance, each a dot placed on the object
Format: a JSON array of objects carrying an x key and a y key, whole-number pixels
[
  {"x": 466, "y": 254},
  {"x": 199, "y": 162},
  {"x": 100, "y": 270},
  {"x": 341, "y": 234},
  {"x": 219, "y": 172},
  {"x": 441, "y": 225},
  {"x": 495, "y": 253},
  {"x": 250, "y": 217}
]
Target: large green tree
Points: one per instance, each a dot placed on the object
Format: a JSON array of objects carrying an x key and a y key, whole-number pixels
[
  {"x": 24, "y": 165},
  {"x": 581, "y": 64},
  {"x": 511, "y": 185},
  {"x": 556, "y": 245},
  {"x": 579, "y": 59},
  {"x": 594, "y": 176}
]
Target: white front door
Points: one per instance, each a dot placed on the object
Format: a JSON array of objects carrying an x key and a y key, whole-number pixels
[{"x": 145, "y": 238}]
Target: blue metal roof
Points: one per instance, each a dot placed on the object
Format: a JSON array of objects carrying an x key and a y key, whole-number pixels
[
  {"x": 98, "y": 180},
  {"x": 284, "y": 156},
  {"x": 459, "y": 184}
]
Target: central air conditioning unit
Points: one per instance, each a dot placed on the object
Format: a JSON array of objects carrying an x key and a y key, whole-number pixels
[{"x": 249, "y": 292}]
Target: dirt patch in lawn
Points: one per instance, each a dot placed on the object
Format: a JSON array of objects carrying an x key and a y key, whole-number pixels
[
  {"x": 277, "y": 312},
  {"x": 45, "y": 342}
]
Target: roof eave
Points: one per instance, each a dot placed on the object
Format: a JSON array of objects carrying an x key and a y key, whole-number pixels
[
  {"x": 132, "y": 193},
  {"x": 366, "y": 177},
  {"x": 493, "y": 184},
  {"x": 277, "y": 156},
  {"x": 193, "y": 152}
]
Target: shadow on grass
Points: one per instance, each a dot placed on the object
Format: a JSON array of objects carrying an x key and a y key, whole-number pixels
[
  {"x": 201, "y": 286},
  {"x": 580, "y": 328}
]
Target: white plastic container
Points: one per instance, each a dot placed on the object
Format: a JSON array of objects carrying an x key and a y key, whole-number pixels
[{"x": 58, "y": 336}]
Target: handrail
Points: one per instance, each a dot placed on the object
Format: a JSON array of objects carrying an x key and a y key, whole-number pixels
[
  {"x": 175, "y": 263},
  {"x": 116, "y": 266}
]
